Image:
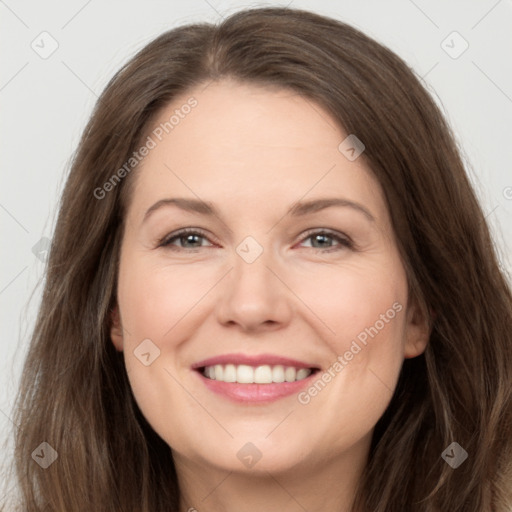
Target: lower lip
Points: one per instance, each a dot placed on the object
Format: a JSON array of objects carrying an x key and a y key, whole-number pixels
[{"x": 255, "y": 393}]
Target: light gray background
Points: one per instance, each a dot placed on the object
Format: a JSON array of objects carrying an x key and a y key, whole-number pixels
[{"x": 45, "y": 104}]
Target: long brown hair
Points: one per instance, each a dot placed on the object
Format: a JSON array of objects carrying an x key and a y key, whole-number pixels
[{"x": 75, "y": 394}]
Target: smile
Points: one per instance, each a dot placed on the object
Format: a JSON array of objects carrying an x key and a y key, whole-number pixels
[
  {"x": 254, "y": 379},
  {"x": 265, "y": 374}
]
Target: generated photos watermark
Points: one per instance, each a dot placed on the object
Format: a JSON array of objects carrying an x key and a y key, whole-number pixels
[
  {"x": 343, "y": 360},
  {"x": 151, "y": 142}
]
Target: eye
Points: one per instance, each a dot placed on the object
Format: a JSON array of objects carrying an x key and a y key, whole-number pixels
[
  {"x": 189, "y": 238},
  {"x": 321, "y": 237}
]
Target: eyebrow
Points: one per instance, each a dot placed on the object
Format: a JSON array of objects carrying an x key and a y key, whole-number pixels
[{"x": 296, "y": 210}]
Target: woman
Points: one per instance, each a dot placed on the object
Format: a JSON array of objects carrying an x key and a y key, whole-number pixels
[{"x": 337, "y": 335}]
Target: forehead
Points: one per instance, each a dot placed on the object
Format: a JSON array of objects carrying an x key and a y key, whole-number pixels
[
  {"x": 245, "y": 118},
  {"x": 265, "y": 146}
]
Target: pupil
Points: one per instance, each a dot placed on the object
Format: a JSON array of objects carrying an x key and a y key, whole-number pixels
[
  {"x": 321, "y": 237},
  {"x": 190, "y": 238}
]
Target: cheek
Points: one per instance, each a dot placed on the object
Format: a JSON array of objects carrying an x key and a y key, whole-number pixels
[
  {"x": 362, "y": 314},
  {"x": 155, "y": 299},
  {"x": 351, "y": 300},
  {"x": 159, "y": 304}
]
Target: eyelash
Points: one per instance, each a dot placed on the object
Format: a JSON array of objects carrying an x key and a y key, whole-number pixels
[{"x": 343, "y": 241}]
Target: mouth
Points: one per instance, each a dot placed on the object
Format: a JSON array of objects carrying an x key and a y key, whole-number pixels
[
  {"x": 254, "y": 379},
  {"x": 264, "y": 374}
]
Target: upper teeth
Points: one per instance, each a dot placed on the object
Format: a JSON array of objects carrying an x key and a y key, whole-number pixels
[{"x": 245, "y": 374}]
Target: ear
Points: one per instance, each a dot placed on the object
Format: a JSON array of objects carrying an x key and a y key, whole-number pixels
[
  {"x": 417, "y": 331},
  {"x": 116, "y": 329}
]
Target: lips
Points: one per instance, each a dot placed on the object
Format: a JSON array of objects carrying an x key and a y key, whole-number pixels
[{"x": 258, "y": 378}]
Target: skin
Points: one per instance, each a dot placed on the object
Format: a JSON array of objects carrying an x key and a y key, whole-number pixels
[{"x": 253, "y": 152}]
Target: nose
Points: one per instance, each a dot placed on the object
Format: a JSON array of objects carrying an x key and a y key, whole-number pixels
[{"x": 254, "y": 296}]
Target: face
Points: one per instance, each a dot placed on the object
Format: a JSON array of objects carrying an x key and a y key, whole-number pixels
[{"x": 289, "y": 276}]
